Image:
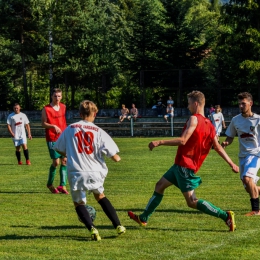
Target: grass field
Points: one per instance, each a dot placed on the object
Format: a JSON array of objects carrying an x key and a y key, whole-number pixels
[{"x": 36, "y": 224}]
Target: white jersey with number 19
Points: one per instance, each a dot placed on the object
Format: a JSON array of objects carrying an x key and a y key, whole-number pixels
[{"x": 84, "y": 143}]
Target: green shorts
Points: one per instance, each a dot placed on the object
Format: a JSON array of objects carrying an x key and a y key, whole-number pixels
[
  {"x": 182, "y": 178},
  {"x": 53, "y": 153}
]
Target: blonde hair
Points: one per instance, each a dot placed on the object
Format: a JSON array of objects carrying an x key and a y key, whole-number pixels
[
  {"x": 87, "y": 107},
  {"x": 197, "y": 96}
]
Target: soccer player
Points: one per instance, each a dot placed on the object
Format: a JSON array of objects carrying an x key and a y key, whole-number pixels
[
  {"x": 16, "y": 122},
  {"x": 193, "y": 147},
  {"x": 247, "y": 127},
  {"x": 217, "y": 120},
  {"x": 84, "y": 143},
  {"x": 54, "y": 122}
]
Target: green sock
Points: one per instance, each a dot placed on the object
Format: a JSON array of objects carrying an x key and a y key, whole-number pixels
[
  {"x": 52, "y": 173},
  {"x": 63, "y": 175},
  {"x": 153, "y": 203},
  {"x": 212, "y": 210}
]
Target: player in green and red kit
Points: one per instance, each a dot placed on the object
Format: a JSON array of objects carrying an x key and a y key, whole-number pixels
[
  {"x": 196, "y": 140},
  {"x": 54, "y": 122}
]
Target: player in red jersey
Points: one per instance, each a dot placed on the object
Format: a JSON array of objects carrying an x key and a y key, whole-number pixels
[
  {"x": 196, "y": 140},
  {"x": 54, "y": 122}
]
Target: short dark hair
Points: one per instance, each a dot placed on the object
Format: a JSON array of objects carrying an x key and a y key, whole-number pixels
[{"x": 246, "y": 95}]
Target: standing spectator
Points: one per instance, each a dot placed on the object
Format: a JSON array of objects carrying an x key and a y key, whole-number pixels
[
  {"x": 160, "y": 107},
  {"x": 170, "y": 101},
  {"x": 169, "y": 112},
  {"x": 16, "y": 124},
  {"x": 124, "y": 113},
  {"x": 193, "y": 147},
  {"x": 84, "y": 143},
  {"x": 247, "y": 127},
  {"x": 211, "y": 110},
  {"x": 133, "y": 112},
  {"x": 217, "y": 120},
  {"x": 54, "y": 122}
]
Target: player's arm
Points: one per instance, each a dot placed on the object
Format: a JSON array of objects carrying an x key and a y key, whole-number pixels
[
  {"x": 45, "y": 124},
  {"x": 28, "y": 129},
  {"x": 220, "y": 150},
  {"x": 227, "y": 142},
  {"x": 191, "y": 126},
  {"x": 116, "y": 158},
  {"x": 10, "y": 130}
]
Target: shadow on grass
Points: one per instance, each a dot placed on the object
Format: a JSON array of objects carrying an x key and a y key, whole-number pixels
[
  {"x": 181, "y": 211},
  {"x": 23, "y": 192}
]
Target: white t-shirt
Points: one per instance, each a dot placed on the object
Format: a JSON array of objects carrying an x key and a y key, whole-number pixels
[
  {"x": 84, "y": 143},
  {"x": 17, "y": 123},
  {"x": 217, "y": 120},
  {"x": 248, "y": 131}
]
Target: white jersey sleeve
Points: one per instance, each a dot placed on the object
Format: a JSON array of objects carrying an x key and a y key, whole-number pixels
[
  {"x": 231, "y": 130},
  {"x": 108, "y": 146}
]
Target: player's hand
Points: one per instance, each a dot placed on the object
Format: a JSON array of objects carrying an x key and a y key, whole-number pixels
[
  {"x": 235, "y": 168},
  {"x": 224, "y": 144},
  {"x": 153, "y": 144},
  {"x": 30, "y": 137},
  {"x": 57, "y": 129}
]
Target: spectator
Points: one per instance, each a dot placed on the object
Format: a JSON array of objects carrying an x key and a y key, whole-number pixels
[
  {"x": 160, "y": 107},
  {"x": 124, "y": 113},
  {"x": 211, "y": 110},
  {"x": 133, "y": 112},
  {"x": 16, "y": 122},
  {"x": 169, "y": 112},
  {"x": 170, "y": 101}
]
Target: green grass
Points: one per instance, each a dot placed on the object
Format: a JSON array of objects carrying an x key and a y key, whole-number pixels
[{"x": 36, "y": 224}]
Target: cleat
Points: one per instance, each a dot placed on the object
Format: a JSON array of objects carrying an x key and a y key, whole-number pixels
[
  {"x": 136, "y": 219},
  {"x": 94, "y": 234},
  {"x": 62, "y": 189},
  {"x": 20, "y": 163},
  {"x": 28, "y": 162},
  {"x": 52, "y": 189},
  {"x": 253, "y": 213},
  {"x": 120, "y": 230},
  {"x": 231, "y": 221}
]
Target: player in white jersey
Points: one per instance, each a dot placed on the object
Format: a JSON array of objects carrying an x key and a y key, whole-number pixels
[
  {"x": 16, "y": 124},
  {"x": 217, "y": 120},
  {"x": 247, "y": 126},
  {"x": 84, "y": 144}
]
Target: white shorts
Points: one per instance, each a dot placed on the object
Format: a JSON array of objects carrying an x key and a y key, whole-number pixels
[
  {"x": 249, "y": 167},
  {"x": 82, "y": 182},
  {"x": 18, "y": 142}
]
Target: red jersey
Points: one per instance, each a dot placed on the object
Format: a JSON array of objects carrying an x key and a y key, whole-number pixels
[
  {"x": 193, "y": 153},
  {"x": 57, "y": 118}
]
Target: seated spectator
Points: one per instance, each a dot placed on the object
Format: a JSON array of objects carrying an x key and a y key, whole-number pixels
[
  {"x": 169, "y": 112},
  {"x": 133, "y": 113},
  {"x": 124, "y": 113},
  {"x": 170, "y": 101},
  {"x": 159, "y": 106}
]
